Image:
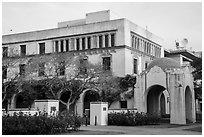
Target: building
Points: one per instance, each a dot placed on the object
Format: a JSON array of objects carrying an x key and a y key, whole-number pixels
[{"x": 120, "y": 46}]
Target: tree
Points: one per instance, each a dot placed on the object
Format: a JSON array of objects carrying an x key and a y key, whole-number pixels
[{"x": 197, "y": 74}]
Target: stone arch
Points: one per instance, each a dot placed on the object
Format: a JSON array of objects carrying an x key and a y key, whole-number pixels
[
  {"x": 153, "y": 99},
  {"x": 188, "y": 104}
]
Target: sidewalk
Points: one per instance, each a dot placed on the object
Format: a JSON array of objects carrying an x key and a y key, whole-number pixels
[{"x": 166, "y": 129}]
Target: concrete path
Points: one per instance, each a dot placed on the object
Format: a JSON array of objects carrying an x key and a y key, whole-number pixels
[{"x": 139, "y": 130}]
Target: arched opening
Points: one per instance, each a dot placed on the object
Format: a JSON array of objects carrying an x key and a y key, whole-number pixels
[
  {"x": 188, "y": 104},
  {"x": 162, "y": 105},
  {"x": 156, "y": 100},
  {"x": 90, "y": 96}
]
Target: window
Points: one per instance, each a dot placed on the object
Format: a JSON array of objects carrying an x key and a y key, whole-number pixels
[
  {"x": 23, "y": 50},
  {"x": 56, "y": 46},
  {"x": 62, "y": 68},
  {"x": 123, "y": 104},
  {"x": 5, "y": 51},
  {"x": 106, "y": 40},
  {"x": 62, "y": 45},
  {"x": 4, "y": 72},
  {"x": 83, "y": 66},
  {"x": 77, "y": 44},
  {"x": 100, "y": 41},
  {"x": 83, "y": 43},
  {"x": 41, "y": 71},
  {"x": 89, "y": 42},
  {"x": 106, "y": 63},
  {"x": 67, "y": 45},
  {"x": 112, "y": 40},
  {"x": 146, "y": 64},
  {"x": 135, "y": 66},
  {"x": 22, "y": 69},
  {"x": 42, "y": 48}
]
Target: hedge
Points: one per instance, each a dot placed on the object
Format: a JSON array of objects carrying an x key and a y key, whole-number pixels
[
  {"x": 37, "y": 125},
  {"x": 132, "y": 119}
]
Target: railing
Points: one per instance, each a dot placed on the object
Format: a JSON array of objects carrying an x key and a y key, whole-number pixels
[{"x": 24, "y": 111}]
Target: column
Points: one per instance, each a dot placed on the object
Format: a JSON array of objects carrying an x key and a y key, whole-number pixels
[
  {"x": 64, "y": 44},
  {"x": 80, "y": 43},
  {"x": 103, "y": 41},
  {"x": 53, "y": 46},
  {"x": 92, "y": 43},
  {"x": 109, "y": 40},
  {"x": 97, "y": 41},
  {"x": 86, "y": 44},
  {"x": 74, "y": 43}
]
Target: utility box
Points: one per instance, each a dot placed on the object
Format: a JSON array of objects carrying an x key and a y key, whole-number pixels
[
  {"x": 51, "y": 107},
  {"x": 98, "y": 113}
]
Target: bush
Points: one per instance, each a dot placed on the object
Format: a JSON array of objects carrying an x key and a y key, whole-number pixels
[
  {"x": 132, "y": 119},
  {"x": 36, "y": 125}
]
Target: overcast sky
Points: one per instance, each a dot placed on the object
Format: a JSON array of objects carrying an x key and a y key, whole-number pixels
[{"x": 170, "y": 21}]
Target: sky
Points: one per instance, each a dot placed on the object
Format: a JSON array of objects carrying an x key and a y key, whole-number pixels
[{"x": 169, "y": 20}]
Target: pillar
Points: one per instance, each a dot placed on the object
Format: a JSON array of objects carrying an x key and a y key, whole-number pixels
[{"x": 109, "y": 40}]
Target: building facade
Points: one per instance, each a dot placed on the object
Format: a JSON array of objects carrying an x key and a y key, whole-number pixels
[{"x": 117, "y": 43}]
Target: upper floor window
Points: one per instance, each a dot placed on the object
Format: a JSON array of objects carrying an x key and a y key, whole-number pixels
[
  {"x": 77, "y": 44},
  {"x": 146, "y": 65},
  {"x": 135, "y": 66},
  {"x": 67, "y": 45},
  {"x": 5, "y": 51},
  {"x": 41, "y": 71},
  {"x": 62, "y": 45},
  {"x": 100, "y": 41},
  {"x": 123, "y": 104},
  {"x": 112, "y": 40},
  {"x": 106, "y": 63},
  {"x": 56, "y": 46},
  {"x": 22, "y": 69},
  {"x": 23, "y": 50},
  {"x": 106, "y": 41},
  {"x": 83, "y": 43},
  {"x": 4, "y": 72},
  {"x": 83, "y": 66},
  {"x": 62, "y": 68},
  {"x": 89, "y": 43},
  {"x": 42, "y": 48}
]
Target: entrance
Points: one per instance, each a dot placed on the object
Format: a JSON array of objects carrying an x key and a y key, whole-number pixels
[{"x": 188, "y": 104}]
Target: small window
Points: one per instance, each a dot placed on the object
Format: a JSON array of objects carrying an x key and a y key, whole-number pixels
[
  {"x": 100, "y": 41},
  {"x": 89, "y": 42},
  {"x": 83, "y": 43},
  {"x": 106, "y": 41},
  {"x": 123, "y": 104},
  {"x": 62, "y": 45},
  {"x": 83, "y": 66},
  {"x": 104, "y": 108},
  {"x": 56, "y": 46},
  {"x": 146, "y": 64},
  {"x": 23, "y": 50},
  {"x": 5, "y": 51},
  {"x": 135, "y": 66},
  {"x": 41, "y": 71},
  {"x": 106, "y": 63},
  {"x": 22, "y": 69},
  {"x": 4, "y": 72},
  {"x": 62, "y": 68},
  {"x": 42, "y": 48},
  {"x": 112, "y": 40}
]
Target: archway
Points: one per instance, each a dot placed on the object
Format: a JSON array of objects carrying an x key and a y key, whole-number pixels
[
  {"x": 162, "y": 105},
  {"x": 188, "y": 104},
  {"x": 156, "y": 100},
  {"x": 89, "y": 96}
]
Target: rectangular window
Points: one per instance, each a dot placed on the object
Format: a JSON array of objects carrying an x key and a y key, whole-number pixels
[
  {"x": 5, "y": 51},
  {"x": 112, "y": 40},
  {"x": 41, "y": 71},
  {"x": 62, "y": 45},
  {"x": 106, "y": 41},
  {"x": 77, "y": 44},
  {"x": 135, "y": 66},
  {"x": 133, "y": 41},
  {"x": 100, "y": 41},
  {"x": 22, "y": 69},
  {"x": 106, "y": 63},
  {"x": 4, "y": 72},
  {"x": 83, "y": 66},
  {"x": 83, "y": 43},
  {"x": 123, "y": 104},
  {"x": 67, "y": 45},
  {"x": 56, "y": 46},
  {"x": 89, "y": 42},
  {"x": 62, "y": 68},
  {"x": 42, "y": 48},
  {"x": 23, "y": 50},
  {"x": 146, "y": 64}
]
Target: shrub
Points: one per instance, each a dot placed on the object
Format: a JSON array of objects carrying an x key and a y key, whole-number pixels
[
  {"x": 132, "y": 119},
  {"x": 36, "y": 125}
]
